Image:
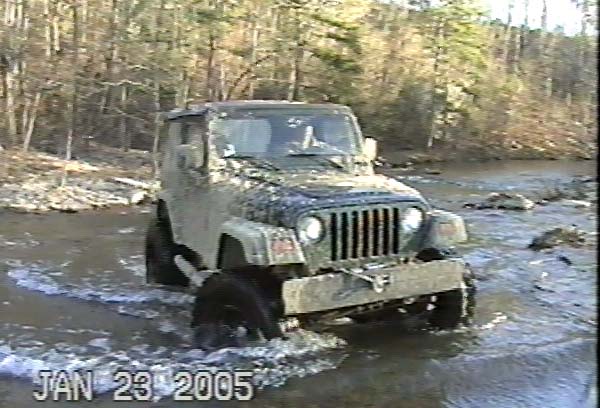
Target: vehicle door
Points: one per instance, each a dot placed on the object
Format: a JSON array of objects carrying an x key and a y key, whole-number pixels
[{"x": 191, "y": 188}]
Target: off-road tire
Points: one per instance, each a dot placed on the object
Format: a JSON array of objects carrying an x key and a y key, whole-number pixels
[
  {"x": 160, "y": 253},
  {"x": 455, "y": 307},
  {"x": 451, "y": 309},
  {"x": 226, "y": 301}
]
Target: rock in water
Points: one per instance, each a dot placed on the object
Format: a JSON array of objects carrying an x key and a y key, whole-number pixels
[
  {"x": 504, "y": 201},
  {"x": 558, "y": 236},
  {"x": 577, "y": 203},
  {"x": 137, "y": 197},
  {"x": 432, "y": 171},
  {"x": 565, "y": 260}
]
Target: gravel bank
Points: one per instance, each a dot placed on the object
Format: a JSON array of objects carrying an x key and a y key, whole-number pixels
[{"x": 32, "y": 182}]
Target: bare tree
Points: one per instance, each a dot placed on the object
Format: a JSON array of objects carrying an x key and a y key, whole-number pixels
[{"x": 73, "y": 101}]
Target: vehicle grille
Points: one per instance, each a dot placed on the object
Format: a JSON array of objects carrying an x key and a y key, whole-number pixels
[{"x": 361, "y": 233}]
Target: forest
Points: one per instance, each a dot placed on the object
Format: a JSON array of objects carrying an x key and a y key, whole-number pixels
[{"x": 425, "y": 75}]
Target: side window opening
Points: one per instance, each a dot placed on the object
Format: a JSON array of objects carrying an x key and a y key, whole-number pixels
[
  {"x": 242, "y": 136},
  {"x": 194, "y": 134},
  {"x": 185, "y": 131},
  {"x": 175, "y": 133}
]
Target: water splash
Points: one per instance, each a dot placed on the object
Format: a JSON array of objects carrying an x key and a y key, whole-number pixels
[{"x": 273, "y": 363}]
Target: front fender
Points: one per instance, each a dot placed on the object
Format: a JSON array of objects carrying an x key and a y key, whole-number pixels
[
  {"x": 264, "y": 244},
  {"x": 445, "y": 230}
]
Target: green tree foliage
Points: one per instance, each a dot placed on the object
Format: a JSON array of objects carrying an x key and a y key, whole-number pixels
[
  {"x": 420, "y": 74},
  {"x": 454, "y": 40}
]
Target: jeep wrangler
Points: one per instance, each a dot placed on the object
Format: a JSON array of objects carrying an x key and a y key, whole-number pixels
[{"x": 271, "y": 213}]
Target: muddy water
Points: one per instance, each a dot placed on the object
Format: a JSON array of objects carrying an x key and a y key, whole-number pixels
[{"x": 72, "y": 296}]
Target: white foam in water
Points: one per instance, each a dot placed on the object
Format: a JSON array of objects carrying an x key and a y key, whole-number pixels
[
  {"x": 128, "y": 230},
  {"x": 35, "y": 277},
  {"x": 499, "y": 317},
  {"x": 134, "y": 264},
  {"x": 143, "y": 313},
  {"x": 101, "y": 342},
  {"x": 273, "y": 363}
]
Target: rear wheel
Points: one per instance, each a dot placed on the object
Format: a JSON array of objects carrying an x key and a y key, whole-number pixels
[
  {"x": 227, "y": 302},
  {"x": 160, "y": 253}
]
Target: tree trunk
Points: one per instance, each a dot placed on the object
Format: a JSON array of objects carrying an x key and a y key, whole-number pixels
[
  {"x": 84, "y": 23},
  {"x": 72, "y": 110},
  {"x": 31, "y": 121},
  {"x": 16, "y": 28},
  {"x": 56, "y": 30},
  {"x": 434, "y": 107},
  {"x": 274, "y": 27},
  {"x": 523, "y": 42},
  {"x": 223, "y": 88},
  {"x": 581, "y": 90},
  {"x": 157, "y": 129},
  {"x": 296, "y": 70},
  {"x": 516, "y": 62},
  {"x": 11, "y": 90},
  {"x": 124, "y": 120},
  {"x": 111, "y": 56},
  {"x": 27, "y": 105},
  {"x": 210, "y": 62},
  {"x": 507, "y": 34},
  {"x": 47, "y": 29},
  {"x": 392, "y": 44},
  {"x": 547, "y": 45},
  {"x": 182, "y": 89},
  {"x": 253, "y": 56},
  {"x": 156, "y": 91}
]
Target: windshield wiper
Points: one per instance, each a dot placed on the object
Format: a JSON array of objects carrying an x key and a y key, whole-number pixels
[
  {"x": 254, "y": 161},
  {"x": 320, "y": 156}
]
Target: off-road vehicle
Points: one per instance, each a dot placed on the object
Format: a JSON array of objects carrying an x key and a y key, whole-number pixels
[{"x": 271, "y": 212}]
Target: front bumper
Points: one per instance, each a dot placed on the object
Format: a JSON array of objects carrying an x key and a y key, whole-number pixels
[{"x": 337, "y": 290}]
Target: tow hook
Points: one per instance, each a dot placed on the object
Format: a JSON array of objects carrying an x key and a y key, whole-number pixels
[{"x": 378, "y": 282}]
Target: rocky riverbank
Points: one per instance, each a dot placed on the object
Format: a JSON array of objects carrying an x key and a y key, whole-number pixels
[
  {"x": 550, "y": 148},
  {"x": 103, "y": 177}
]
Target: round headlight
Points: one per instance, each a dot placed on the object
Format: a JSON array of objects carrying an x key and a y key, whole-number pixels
[
  {"x": 310, "y": 229},
  {"x": 412, "y": 219}
]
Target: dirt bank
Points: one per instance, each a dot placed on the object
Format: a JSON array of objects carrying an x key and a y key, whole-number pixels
[
  {"x": 102, "y": 177},
  {"x": 549, "y": 148}
]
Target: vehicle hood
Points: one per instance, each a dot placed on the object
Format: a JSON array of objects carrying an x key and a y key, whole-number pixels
[
  {"x": 280, "y": 198},
  {"x": 340, "y": 185}
]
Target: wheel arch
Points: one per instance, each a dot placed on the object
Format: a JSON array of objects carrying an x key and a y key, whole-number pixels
[
  {"x": 261, "y": 244},
  {"x": 162, "y": 210},
  {"x": 229, "y": 246},
  {"x": 233, "y": 259}
]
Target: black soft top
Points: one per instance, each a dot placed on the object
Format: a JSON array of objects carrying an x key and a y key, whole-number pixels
[{"x": 237, "y": 106}]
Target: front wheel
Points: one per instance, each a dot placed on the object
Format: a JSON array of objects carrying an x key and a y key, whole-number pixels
[
  {"x": 225, "y": 303},
  {"x": 455, "y": 307},
  {"x": 443, "y": 311}
]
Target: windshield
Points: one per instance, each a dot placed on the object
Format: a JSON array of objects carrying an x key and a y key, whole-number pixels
[{"x": 284, "y": 133}]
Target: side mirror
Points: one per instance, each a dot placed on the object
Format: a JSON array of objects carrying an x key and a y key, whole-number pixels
[
  {"x": 190, "y": 157},
  {"x": 370, "y": 148}
]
